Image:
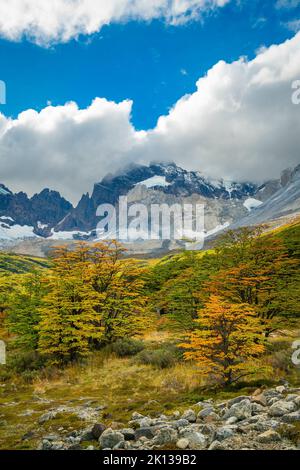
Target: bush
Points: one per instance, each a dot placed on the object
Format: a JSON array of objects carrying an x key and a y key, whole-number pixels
[
  {"x": 126, "y": 347},
  {"x": 29, "y": 361},
  {"x": 159, "y": 358}
]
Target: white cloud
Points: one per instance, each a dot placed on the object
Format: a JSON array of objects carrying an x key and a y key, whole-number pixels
[
  {"x": 293, "y": 25},
  {"x": 46, "y": 22},
  {"x": 288, "y": 4},
  {"x": 240, "y": 123}
]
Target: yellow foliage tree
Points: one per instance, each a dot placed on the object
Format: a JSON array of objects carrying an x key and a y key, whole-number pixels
[{"x": 227, "y": 340}]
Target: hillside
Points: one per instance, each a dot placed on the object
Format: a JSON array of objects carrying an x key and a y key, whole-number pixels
[
  {"x": 137, "y": 379},
  {"x": 18, "y": 264}
]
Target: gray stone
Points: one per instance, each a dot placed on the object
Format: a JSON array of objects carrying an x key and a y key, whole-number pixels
[
  {"x": 128, "y": 433},
  {"x": 281, "y": 408},
  {"x": 217, "y": 445},
  {"x": 165, "y": 436},
  {"x": 236, "y": 400},
  {"x": 181, "y": 423},
  {"x": 197, "y": 440},
  {"x": 225, "y": 432},
  {"x": 144, "y": 432},
  {"x": 291, "y": 417},
  {"x": 109, "y": 439},
  {"x": 190, "y": 415},
  {"x": 241, "y": 410}
]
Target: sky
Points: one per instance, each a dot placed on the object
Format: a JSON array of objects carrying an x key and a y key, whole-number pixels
[{"x": 92, "y": 86}]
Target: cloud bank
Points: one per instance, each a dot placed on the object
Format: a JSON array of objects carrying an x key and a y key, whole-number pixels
[
  {"x": 239, "y": 124},
  {"x": 46, "y": 22}
]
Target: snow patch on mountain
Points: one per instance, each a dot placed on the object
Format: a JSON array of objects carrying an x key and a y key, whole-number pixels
[
  {"x": 252, "y": 203},
  {"x": 16, "y": 231},
  {"x": 154, "y": 181}
]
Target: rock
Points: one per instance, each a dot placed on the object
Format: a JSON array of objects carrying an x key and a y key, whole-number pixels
[
  {"x": 240, "y": 410},
  {"x": 269, "y": 437},
  {"x": 128, "y": 434},
  {"x": 257, "y": 408},
  {"x": 135, "y": 416},
  {"x": 205, "y": 412},
  {"x": 47, "y": 416},
  {"x": 97, "y": 430},
  {"x": 110, "y": 438},
  {"x": 190, "y": 415},
  {"x": 197, "y": 440},
  {"x": 281, "y": 408},
  {"x": 182, "y": 443},
  {"x": 291, "y": 417},
  {"x": 144, "y": 432},
  {"x": 216, "y": 445},
  {"x": 291, "y": 397},
  {"x": 145, "y": 422},
  {"x": 165, "y": 436},
  {"x": 259, "y": 399},
  {"x": 236, "y": 400},
  {"x": 181, "y": 423},
  {"x": 280, "y": 389},
  {"x": 225, "y": 432},
  {"x": 232, "y": 420},
  {"x": 297, "y": 401}
]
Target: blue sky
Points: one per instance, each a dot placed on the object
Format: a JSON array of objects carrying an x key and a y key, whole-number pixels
[
  {"x": 93, "y": 86},
  {"x": 151, "y": 63}
]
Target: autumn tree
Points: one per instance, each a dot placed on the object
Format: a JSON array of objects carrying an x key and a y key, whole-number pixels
[
  {"x": 94, "y": 297},
  {"x": 119, "y": 286},
  {"x": 257, "y": 270},
  {"x": 227, "y": 341},
  {"x": 68, "y": 316}
]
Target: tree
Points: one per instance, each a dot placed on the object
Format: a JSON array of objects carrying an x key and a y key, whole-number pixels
[
  {"x": 227, "y": 340},
  {"x": 257, "y": 270},
  {"x": 119, "y": 285},
  {"x": 94, "y": 297},
  {"x": 23, "y": 313},
  {"x": 68, "y": 316}
]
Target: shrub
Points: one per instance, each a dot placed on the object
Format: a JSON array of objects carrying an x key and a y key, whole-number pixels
[
  {"x": 126, "y": 347},
  {"x": 29, "y": 361},
  {"x": 159, "y": 358}
]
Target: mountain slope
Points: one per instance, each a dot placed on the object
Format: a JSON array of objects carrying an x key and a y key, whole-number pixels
[{"x": 284, "y": 202}]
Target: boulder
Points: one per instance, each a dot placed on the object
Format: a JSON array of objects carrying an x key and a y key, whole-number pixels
[
  {"x": 165, "y": 436},
  {"x": 197, "y": 440},
  {"x": 281, "y": 408},
  {"x": 110, "y": 438},
  {"x": 291, "y": 417},
  {"x": 144, "y": 432},
  {"x": 240, "y": 410},
  {"x": 225, "y": 432},
  {"x": 128, "y": 433},
  {"x": 190, "y": 416},
  {"x": 268, "y": 437}
]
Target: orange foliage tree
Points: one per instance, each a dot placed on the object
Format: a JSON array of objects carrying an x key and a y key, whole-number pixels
[{"x": 227, "y": 340}]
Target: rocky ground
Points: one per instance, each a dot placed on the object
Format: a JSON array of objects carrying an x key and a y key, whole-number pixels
[{"x": 269, "y": 419}]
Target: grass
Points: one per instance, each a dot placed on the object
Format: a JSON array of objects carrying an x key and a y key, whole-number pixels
[{"x": 121, "y": 384}]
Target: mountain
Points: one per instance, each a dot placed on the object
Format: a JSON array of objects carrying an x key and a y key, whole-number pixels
[
  {"x": 20, "y": 214},
  {"x": 167, "y": 178},
  {"x": 282, "y": 203},
  {"x": 47, "y": 217}
]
